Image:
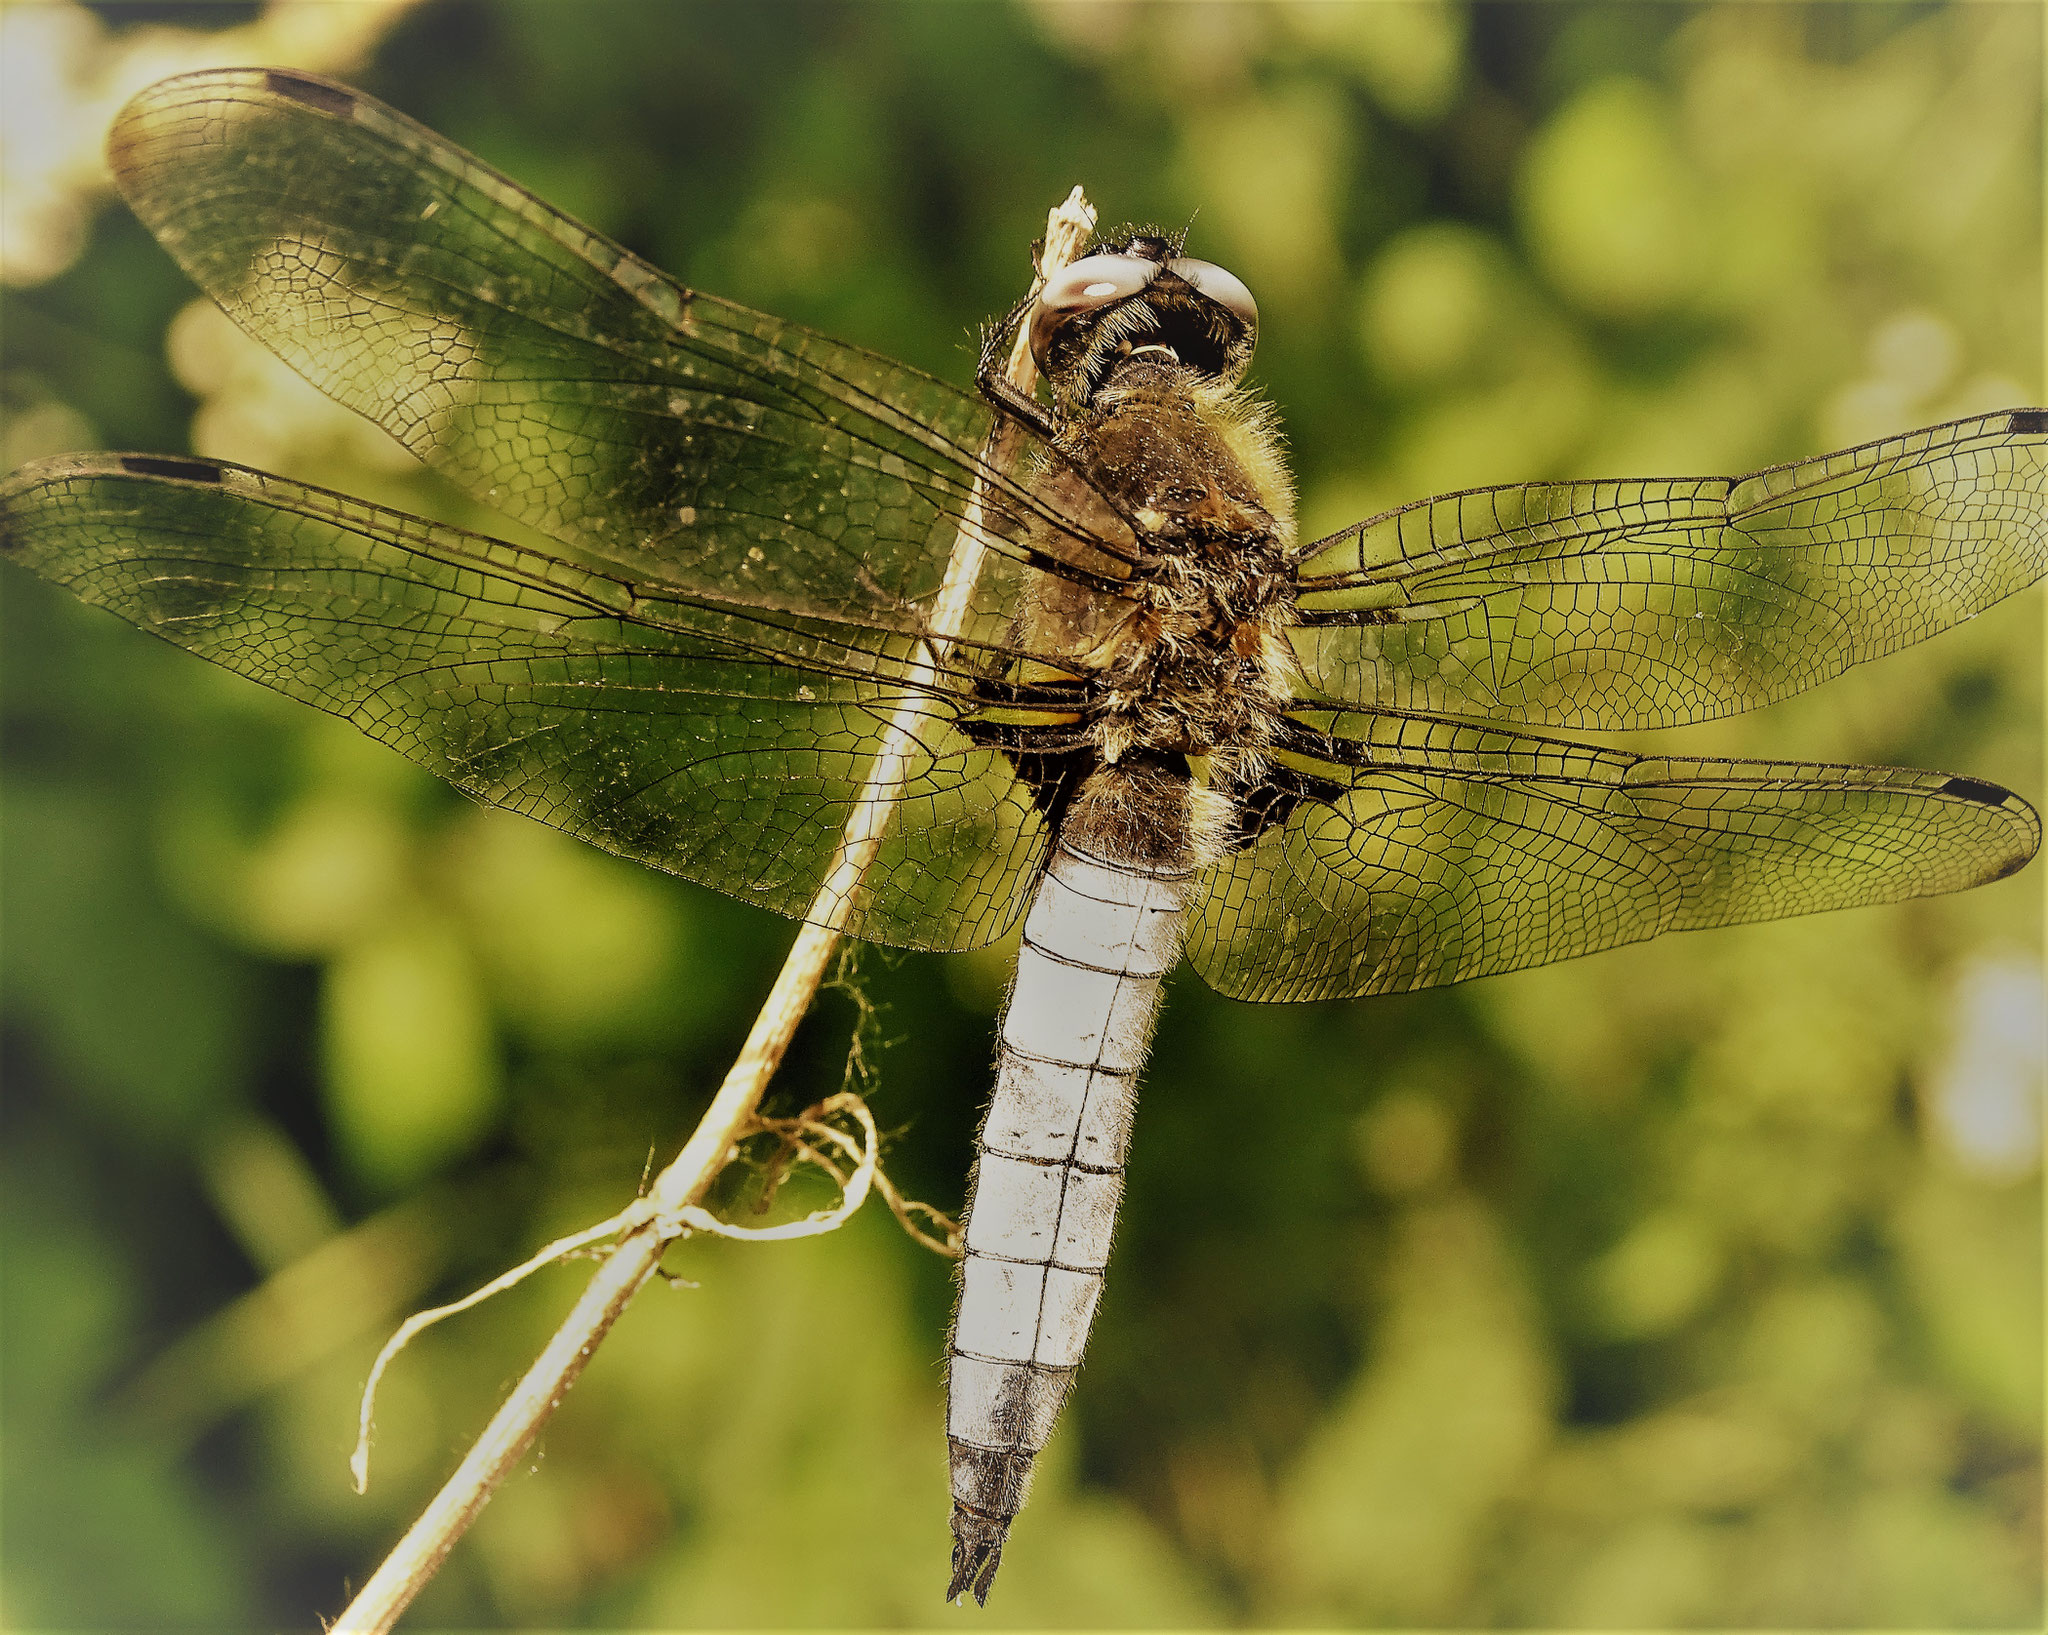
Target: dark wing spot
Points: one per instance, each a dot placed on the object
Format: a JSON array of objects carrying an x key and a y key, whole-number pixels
[
  {"x": 2027, "y": 423},
  {"x": 171, "y": 465},
  {"x": 2012, "y": 865},
  {"x": 1261, "y": 806},
  {"x": 325, "y": 95},
  {"x": 1984, "y": 794},
  {"x": 1052, "y": 774},
  {"x": 1053, "y": 780},
  {"x": 1344, "y": 615},
  {"x": 1051, "y": 760}
]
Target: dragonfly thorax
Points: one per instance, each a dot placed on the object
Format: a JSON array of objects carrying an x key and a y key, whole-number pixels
[{"x": 1189, "y": 660}]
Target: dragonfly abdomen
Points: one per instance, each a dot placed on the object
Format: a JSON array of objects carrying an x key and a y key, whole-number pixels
[{"x": 1102, "y": 931}]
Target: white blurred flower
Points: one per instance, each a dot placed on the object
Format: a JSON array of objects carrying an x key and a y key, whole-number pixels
[
  {"x": 63, "y": 77},
  {"x": 1984, "y": 1102},
  {"x": 1913, "y": 355}
]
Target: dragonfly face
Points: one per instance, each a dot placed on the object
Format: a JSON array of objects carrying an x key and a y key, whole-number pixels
[
  {"x": 1138, "y": 294},
  {"x": 1164, "y": 725}
]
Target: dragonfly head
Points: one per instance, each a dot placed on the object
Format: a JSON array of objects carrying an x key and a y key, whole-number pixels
[{"x": 1136, "y": 293}]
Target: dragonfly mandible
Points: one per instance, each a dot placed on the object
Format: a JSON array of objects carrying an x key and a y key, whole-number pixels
[{"x": 1166, "y": 728}]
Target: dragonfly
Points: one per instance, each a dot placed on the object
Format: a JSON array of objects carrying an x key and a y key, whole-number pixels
[{"x": 1160, "y": 727}]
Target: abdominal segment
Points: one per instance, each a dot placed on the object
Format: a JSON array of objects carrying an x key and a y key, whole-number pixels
[{"x": 1099, "y": 937}]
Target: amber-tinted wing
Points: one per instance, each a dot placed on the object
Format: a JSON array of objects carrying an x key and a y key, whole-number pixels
[
  {"x": 1437, "y": 850},
  {"x": 648, "y": 428},
  {"x": 720, "y": 742},
  {"x": 1650, "y": 603}
]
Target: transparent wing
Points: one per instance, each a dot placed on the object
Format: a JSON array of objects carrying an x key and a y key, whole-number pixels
[
  {"x": 1651, "y": 603},
  {"x": 1408, "y": 851},
  {"x": 715, "y": 742},
  {"x": 554, "y": 376}
]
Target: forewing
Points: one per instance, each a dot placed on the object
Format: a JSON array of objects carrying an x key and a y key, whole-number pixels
[
  {"x": 1651, "y": 603},
  {"x": 716, "y": 743},
  {"x": 647, "y": 427},
  {"x": 1441, "y": 851}
]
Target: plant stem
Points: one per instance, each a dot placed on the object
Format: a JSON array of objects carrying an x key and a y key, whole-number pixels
[{"x": 633, "y": 1259}]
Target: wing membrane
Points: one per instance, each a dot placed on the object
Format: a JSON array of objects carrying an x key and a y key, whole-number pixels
[
  {"x": 751, "y": 521},
  {"x": 1445, "y": 850},
  {"x": 548, "y": 372},
  {"x": 708, "y": 742},
  {"x": 1617, "y": 605}
]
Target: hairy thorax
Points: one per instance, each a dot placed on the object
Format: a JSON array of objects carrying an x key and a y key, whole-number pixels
[{"x": 1188, "y": 659}]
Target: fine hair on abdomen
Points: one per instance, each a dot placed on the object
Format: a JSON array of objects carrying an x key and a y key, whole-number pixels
[{"x": 1102, "y": 930}]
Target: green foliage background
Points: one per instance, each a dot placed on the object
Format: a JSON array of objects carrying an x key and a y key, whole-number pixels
[{"x": 1666, "y": 1287}]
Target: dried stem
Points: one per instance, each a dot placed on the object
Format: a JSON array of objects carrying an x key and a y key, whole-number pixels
[{"x": 683, "y": 1183}]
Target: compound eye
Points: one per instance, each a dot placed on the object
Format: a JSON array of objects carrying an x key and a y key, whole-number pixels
[
  {"x": 1095, "y": 281},
  {"x": 1225, "y": 288},
  {"x": 1083, "y": 286}
]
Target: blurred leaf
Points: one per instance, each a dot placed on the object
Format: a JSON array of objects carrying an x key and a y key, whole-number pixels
[
  {"x": 1973, "y": 1261},
  {"x": 1389, "y": 1515},
  {"x": 412, "y": 1074},
  {"x": 1611, "y": 206}
]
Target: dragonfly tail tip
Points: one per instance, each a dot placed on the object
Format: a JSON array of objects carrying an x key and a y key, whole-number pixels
[{"x": 977, "y": 1553}]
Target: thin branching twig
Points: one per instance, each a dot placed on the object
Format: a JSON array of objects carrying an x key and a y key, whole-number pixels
[{"x": 662, "y": 1215}]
